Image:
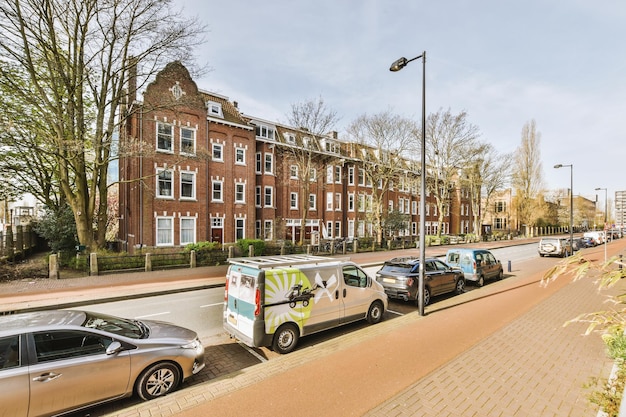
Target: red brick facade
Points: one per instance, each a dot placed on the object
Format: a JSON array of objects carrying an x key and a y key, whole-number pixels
[{"x": 194, "y": 169}]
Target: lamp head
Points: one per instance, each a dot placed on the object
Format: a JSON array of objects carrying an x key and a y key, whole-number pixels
[
  {"x": 398, "y": 64},
  {"x": 558, "y": 166}
]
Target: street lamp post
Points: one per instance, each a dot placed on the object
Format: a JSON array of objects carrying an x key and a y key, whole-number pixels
[
  {"x": 571, "y": 202},
  {"x": 397, "y": 66},
  {"x": 606, "y": 239}
]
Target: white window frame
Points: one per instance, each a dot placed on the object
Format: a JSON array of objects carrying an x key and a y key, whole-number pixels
[
  {"x": 240, "y": 155},
  {"x": 258, "y": 163},
  {"x": 265, "y": 131},
  {"x": 186, "y": 149},
  {"x": 268, "y": 229},
  {"x": 165, "y": 136},
  {"x": 193, "y": 185},
  {"x": 191, "y": 229},
  {"x": 312, "y": 202},
  {"x": 215, "y": 147},
  {"x": 164, "y": 230},
  {"x": 159, "y": 193},
  {"x": 214, "y": 109},
  {"x": 293, "y": 201},
  {"x": 240, "y": 192},
  {"x": 268, "y": 163},
  {"x": 337, "y": 174},
  {"x": 293, "y": 172},
  {"x": 268, "y": 191},
  {"x": 221, "y": 191},
  {"x": 240, "y": 228},
  {"x": 329, "y": 200}
]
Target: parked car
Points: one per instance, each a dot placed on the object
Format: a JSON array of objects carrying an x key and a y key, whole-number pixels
[
  {"x": 400, "y": 277},
  {"x": 54, "y": 362},
  {"x": 588, "y": 242},
  {"x": 478, "y": 265},
  {"x": 554, "y": 246}
]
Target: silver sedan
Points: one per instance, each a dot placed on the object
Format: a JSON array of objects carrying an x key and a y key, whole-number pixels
[{"x": 53, "y": 362}]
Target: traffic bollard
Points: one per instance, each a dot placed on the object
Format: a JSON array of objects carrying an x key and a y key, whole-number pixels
[{"x": 509, "y": 266}]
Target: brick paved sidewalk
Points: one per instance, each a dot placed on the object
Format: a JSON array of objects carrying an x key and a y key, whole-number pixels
[{"x": 532, "y": 367}]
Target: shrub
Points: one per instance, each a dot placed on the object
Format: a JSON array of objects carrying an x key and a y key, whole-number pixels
[
  {"x": 203, "y": 247},
  {"x": 258, "y": 244}
]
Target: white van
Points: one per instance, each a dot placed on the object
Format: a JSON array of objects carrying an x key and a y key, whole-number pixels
[
  {"x": 274, "y": 300},
  {"x": 597, "y": 236}
]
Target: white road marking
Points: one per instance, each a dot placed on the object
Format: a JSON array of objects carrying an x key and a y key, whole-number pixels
[
  {"x": 395, "y": 312},
  {"x": 153, "y": 315},
  {"x": 212, "y": 305}
]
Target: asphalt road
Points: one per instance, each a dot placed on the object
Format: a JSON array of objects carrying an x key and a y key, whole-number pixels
[{"x": 202, "y": 310}]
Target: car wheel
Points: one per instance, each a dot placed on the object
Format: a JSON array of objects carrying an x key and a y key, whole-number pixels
[
  {"x": 460, "y": 286},
  {"x": 158, "y": 380},
  {"x": 375, "y": 313},
  {"x": 481, "y": 281},
  {"x": 286, "y": 338},
  {"x": 500, "y": 275}
]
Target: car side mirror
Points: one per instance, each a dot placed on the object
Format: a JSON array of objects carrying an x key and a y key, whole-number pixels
[{"x": 114, "y": 347}]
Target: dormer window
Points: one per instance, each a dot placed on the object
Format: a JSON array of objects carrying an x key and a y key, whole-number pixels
[
  {"x": 214, "y": 109},
  {"x": 331, "y": 146},
  {"x": 290, "y": 138},
  {"x": 263, "y": 131}
]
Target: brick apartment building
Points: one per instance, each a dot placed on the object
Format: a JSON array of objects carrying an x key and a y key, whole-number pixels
[{"x": 193, "y": 168}]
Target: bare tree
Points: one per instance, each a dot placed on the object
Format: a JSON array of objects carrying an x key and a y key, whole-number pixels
[
  {"x": 527, "y": 176},
  {"x": 314, "y": 120},
  {"x": 485, "y": 172},
  {"x": 450, "y": 142},
  {"x": 384, "y": 141},
  {"x": 67, "y": 62}
]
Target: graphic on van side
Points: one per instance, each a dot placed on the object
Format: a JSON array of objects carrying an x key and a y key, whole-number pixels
[{"x": 288, "y": 295}]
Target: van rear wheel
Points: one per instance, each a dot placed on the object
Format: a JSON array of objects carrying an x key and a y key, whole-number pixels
[
  {"x": 286, "y": 338},
  {"x": 481, "y": 281}
]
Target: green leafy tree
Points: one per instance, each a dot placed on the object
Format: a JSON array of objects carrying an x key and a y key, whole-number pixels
[{"x": 57, "y": 227}]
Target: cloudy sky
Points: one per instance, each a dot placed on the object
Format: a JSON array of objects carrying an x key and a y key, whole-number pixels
[{"x": 559, "y": 62}]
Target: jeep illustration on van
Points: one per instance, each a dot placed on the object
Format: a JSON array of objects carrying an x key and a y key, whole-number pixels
[{"x": 274, "y": 300}]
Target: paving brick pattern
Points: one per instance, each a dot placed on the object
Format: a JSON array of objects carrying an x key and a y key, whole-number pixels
[{"x": 532, "y": 367}]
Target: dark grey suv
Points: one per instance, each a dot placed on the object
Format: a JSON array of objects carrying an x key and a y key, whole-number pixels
[{"x": 400, "y": 276}]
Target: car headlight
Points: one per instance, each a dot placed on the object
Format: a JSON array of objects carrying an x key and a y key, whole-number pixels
[{"x": 193, "y": 345}]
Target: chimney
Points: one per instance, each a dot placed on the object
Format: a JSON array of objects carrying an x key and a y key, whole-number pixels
[{"x": 132, "y": 79}]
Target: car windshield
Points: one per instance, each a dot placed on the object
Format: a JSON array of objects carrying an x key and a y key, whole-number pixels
[{"x": 116, "y": 325}]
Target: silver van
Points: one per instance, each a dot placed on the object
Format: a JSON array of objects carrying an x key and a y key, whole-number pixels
[
  {"x": 274, "y": 300},
  {"x": 478, "y": 265}
]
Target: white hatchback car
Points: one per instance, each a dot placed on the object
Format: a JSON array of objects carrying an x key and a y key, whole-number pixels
[{"x": 54, "y": 362}]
